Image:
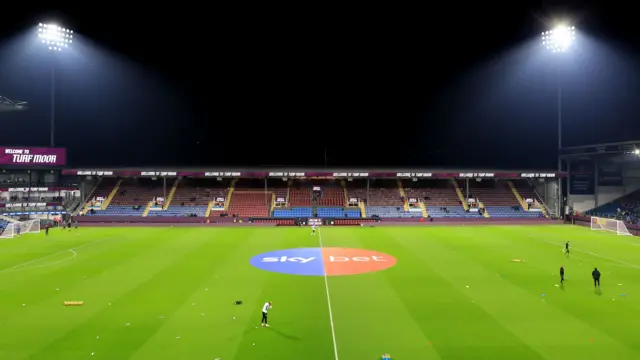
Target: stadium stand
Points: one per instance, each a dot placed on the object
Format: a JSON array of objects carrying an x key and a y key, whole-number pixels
[
  {"x": 331, "y": 194},
  {"x": 338, "y": 212},
  {"x": 382, "y": 198},
  {"x": 629, "y": 206},
  {"x": 497, "y": 198},
  {"x": 192, "y": 197},
  {"x": 133, "y": 196},
  {"x": 300, "y": 193},
  {"x": 249, "y": 197},
  {"x": 439, "y": 196}
]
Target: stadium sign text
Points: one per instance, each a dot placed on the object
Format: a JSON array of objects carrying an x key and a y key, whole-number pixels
[
  {"x": 28, "y": 189},
  {"x": 33, "y": 156},
  {"x": 321, "y": 175}
]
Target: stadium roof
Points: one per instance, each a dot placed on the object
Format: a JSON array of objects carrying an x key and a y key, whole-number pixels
[{"x": 601, "y": 149}]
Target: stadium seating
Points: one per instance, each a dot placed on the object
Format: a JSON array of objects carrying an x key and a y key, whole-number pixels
[
  {"x": 432, "y": 192},
  {"x": 515, "y": 211},
  {"x": 391, "y": 212},
  {"x": 179, "y": 210},
  {"x": 198, "y": 192},
  {"x": 298, "y": 212},
  {"x": 382, "y": 198},
  {"x": 249, "y": 204},
  {"x": 338, "y": 212},
  {"x": 455, "y": 211},
  {"x": 300, "y": 195},
  {"x": 490, "y": 193},
  {"x": 104, "y": 188},
  {"x": 498, "y": 199},
  {"x": 138, "y": 192},
  {"x": 332, "y": 193},
  {"x": 118, "y": 210},
  {"x": 629, "y": 203}
]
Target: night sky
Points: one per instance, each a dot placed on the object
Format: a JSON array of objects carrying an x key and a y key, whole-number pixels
[{"x": 432, "y": 86}]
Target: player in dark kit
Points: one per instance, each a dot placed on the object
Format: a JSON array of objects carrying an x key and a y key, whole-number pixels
[
  {"x": 566, "y": 248},
  {"x": 596, "y": 277},
  {"x": 561, "y": 274},
  {"x": 46, "y": 230}
]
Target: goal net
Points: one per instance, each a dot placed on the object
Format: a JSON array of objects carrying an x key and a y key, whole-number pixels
[
  {"x": 613, "y": 225},
  {"x": 23, "y": 227}
]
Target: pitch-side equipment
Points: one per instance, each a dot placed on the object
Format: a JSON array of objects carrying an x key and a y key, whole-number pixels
[
  {"x": 26, "y": 227},
  {"x": 613, "y": 225}
]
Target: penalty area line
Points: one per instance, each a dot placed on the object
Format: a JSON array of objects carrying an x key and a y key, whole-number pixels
[
  {"x": 72, "y": 250},
  {"x": 326, "y": 286}
]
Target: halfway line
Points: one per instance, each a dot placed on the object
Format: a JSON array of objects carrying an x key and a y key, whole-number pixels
[{"x": 326, "y": 286}]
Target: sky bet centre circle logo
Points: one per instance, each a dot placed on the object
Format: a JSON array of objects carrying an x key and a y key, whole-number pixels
[{"x": 323, "y": 261}]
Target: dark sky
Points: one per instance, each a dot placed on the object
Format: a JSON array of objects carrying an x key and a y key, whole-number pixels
[{"x": 432, "y": 86}]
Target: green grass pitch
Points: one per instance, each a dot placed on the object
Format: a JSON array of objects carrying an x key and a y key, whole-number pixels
[{"x": 168, "y": 293}]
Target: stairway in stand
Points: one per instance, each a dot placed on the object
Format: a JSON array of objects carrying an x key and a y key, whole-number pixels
[
  {"x": 465, "y": 205},
  {"x": 113, "y": 193},
  {"x": 232, "y": 188},
  {"x": 403, "y": 195},
  {"x": 147, "y": 209},
  {"x": 425, "y": 214},
  {"x": 167, "y": 201}
]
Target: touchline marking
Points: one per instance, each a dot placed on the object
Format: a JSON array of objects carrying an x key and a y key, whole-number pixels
[
  {"x": 73, "y": 250},
  {"x": 595, "y": 254},
  {"x": 326, "y": 286}
]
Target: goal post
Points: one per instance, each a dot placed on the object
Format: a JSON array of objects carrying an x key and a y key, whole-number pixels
[
  {"x": 8, "y": 231},
  {"x": 30, "y": 226},
  {"x": 22, "y": 227},
  {"x": 612, "y": 225}
]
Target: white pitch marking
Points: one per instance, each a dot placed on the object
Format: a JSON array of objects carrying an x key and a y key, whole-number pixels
[
  {"x": 72, "y": 250},
  {"x": 326, "y": 286}
]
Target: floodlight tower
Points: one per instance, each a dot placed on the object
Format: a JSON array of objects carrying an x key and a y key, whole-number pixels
[
  {"x": 55, "y": 39},
  {"x": 559, "y": 40}
]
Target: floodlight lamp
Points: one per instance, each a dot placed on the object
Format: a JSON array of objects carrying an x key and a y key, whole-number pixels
[
  {"x": 55, "y": 37},
  {"x": 559, "y": 39}
]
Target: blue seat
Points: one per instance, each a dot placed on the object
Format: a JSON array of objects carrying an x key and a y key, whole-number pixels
[
  {"x": 453, "y": 212},
  {"x": 337, "y": 212},
  {"x": 296, "y": 212},
  {"x": 391, "y": 212},
  {"x": 510, "y": 212}
]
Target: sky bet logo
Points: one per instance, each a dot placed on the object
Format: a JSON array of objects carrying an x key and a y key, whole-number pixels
[{"x": 323, "y": 261}]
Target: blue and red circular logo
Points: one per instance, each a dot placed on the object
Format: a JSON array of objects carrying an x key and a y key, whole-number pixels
[{"x": 323, "y": 261}]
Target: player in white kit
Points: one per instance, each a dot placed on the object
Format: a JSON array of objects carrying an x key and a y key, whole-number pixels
[{"x": 313, "y": 229}]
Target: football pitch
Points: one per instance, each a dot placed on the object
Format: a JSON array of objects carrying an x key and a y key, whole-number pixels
[{"x": 453, "y": 293}]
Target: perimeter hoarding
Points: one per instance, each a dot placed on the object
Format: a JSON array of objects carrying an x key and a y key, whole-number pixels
[{"x": 32, "y": 156}]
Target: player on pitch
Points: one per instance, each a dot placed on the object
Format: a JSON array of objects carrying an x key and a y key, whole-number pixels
[
  {"x": 265, "y": 309},
  {"x": 566, "y": 248},
  {"x": 561, "y": 274},
  {"x": 313, "y": 229},
  {"x": 596, "y": 277}
]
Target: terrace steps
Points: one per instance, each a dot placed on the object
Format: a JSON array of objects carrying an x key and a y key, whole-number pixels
[
  {"x": 112, "y": 194},
  {"x": 486, "y": 212},
  {"x": 344, "y": 189},
  {"x": 465, "y": 205},
  {"x": 403, "y": 194},
  {"x": 147, "y": 209},
  {"x": 232, "y": 188},
  {"x": 167, "y": 201}
]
